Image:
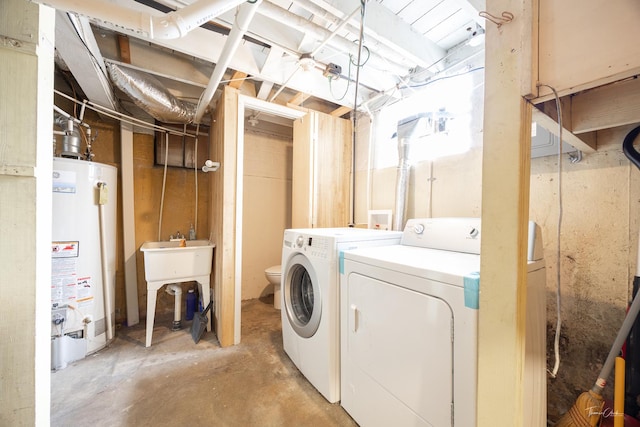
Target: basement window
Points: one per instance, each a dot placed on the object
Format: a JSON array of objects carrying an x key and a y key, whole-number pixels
[
  {"x": 451, "y": 112},
  {"x": 183, "y": 146}
]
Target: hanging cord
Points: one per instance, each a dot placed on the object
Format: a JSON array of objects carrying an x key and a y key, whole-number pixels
[
  {"x": 556, "y": 341},
  {"x": 164, "y": 181},
  {"x": 354, "y": 114}
]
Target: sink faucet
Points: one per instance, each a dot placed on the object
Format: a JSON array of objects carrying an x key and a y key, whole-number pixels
[{"x": 177, "y": 236}]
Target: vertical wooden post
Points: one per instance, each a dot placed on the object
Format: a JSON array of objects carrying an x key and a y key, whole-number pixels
[
  {"x": 129, "y": 232},
  {"x": 505, "y": 213},
  {"x": 26, "y": 123}
]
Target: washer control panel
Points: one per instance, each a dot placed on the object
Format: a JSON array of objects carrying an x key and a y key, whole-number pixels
[{"x": 311, "y": 246}]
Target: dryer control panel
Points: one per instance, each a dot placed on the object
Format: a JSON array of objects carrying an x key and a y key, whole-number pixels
[
  {"x": 459, "y": 235},
  {"x": 448, "y": 234}
]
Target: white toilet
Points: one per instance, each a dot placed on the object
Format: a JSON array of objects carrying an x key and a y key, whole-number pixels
[{"x": 273, "y": 275}]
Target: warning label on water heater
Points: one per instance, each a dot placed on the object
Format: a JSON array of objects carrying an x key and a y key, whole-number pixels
[
  {"x": 64, "y": 249},
  {"x": 64, "y": 273}
]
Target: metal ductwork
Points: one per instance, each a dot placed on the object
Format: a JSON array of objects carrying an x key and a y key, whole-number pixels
[
  {"x": 407, "y": 128},
  {"x": 148, "y": 93}
]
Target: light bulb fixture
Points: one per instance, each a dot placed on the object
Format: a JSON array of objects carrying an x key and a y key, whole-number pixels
[
  {"x": 210, "y": 166},
  {"x": 306, "y": 62},
  {"x": 476, "y": 36},
  {"x": 253, "y": 121}
]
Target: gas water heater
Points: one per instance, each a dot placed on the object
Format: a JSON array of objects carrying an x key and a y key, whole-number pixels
[{"x": 83, "y": 259}]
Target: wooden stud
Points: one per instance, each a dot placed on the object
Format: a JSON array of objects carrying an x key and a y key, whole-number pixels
[
  {"x": 606, "y": 106},
  {"x": 299, "y": 98},
  {"x": 505, "y": 214},
  {"x": 125, "y": 49},
  {"x": 237, "y": 79},
  {"x": 340, "y": 111}
]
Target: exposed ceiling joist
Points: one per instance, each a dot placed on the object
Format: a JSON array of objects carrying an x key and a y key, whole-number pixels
[
  {"x": 606, "y": 106},
  {"x": 237, "y": 79},
  {"x": 397, "y": 46},
  {"x": 341, "y": 111},
  {"x": 298, "y": 99},
  {"x": 387, "y": 27}
]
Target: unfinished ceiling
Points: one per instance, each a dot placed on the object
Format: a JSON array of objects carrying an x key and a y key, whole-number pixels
[{"x": 323, "y": 54}]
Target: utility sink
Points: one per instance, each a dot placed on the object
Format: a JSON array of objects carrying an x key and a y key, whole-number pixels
[{"x": 168, "y": 262}]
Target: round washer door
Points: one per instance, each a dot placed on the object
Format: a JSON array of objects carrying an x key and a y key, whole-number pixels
[{"x": 302, "y": 298}]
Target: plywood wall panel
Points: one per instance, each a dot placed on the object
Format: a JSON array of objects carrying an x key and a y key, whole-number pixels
[
  {"x": 585, "y": 44},
  {"x": 266, "y": 208},
  {"x": 333, "y": 171},
  {"x": 303, "y": 172}
]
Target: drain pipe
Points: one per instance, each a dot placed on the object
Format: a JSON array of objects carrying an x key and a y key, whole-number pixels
[
  {"x": 176, "y": 291},
  {"x": 244, "y": 16}
]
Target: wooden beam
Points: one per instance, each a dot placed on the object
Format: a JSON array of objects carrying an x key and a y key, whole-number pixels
[
  {"x": 237, "y": 79},
  {"x": 297, "y": 107},
  {"x": 341, "y": 111},
  {"x": 125, "y": 50},
  {"x": 299, "y": 98},
  {"x": 607, "y": 106},
  {"x": 584, "y": 145},
  {"x": 505, "y": 214}
]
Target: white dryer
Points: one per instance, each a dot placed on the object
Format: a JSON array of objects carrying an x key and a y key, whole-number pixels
[
  {"x": 409, "y": 328},
  {"x": 310, "y": 298}
]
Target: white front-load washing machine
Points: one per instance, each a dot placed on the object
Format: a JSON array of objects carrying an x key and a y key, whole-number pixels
[
  {"x": 409, "y": 316},
  {"x": 311, "y": 264}
]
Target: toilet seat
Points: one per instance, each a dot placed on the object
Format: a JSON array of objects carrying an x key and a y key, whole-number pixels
[{"x": 275, "y": 270}]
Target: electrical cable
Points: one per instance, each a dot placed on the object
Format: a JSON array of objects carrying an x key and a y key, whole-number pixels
[
  {"x": 556, "y": 341},
  {"x": 427, "y": 83},
  {"x": 123, "y": 117},
  {"x": 347, "y": 88},
  {"x": 354, "y": 115}
]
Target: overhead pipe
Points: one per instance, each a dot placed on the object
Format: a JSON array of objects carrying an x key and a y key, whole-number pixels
[
  {"x": 244, "y": 15},
  {"x": 169, "y": 26}
]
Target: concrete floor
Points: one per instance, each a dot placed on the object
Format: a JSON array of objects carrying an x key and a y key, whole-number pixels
[{"x": 176, "y": 382}]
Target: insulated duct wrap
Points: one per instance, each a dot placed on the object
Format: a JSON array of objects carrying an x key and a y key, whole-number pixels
[
  {"x": 406, "y": 130},
  {"x": 148, "y": 93}
]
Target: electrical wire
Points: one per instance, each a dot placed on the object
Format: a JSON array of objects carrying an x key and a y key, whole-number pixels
[
  {"x": 354, "y": 114},
  {"x": 556, "y": 341},
  {"x": 123, "y": 117},
  {"x": 427, "y": 83}
]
